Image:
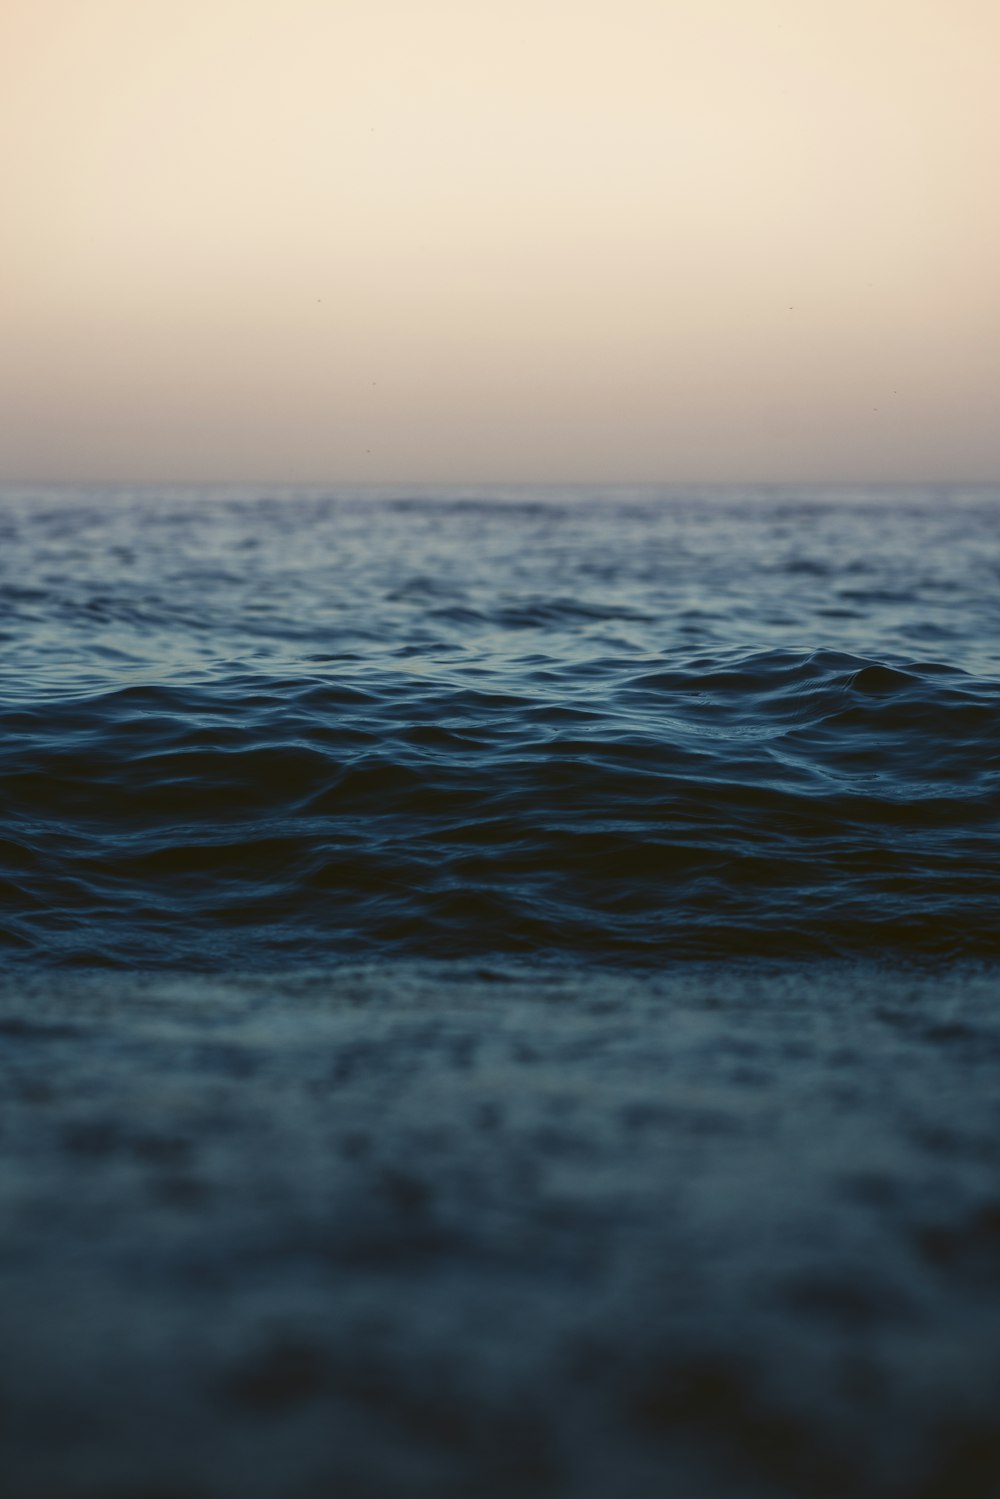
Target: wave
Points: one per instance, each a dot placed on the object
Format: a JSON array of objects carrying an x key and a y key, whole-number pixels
[{"x": 726, "y": 803}]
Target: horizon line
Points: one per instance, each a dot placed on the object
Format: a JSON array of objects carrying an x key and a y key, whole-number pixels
[{"x": 925, "y": 482}]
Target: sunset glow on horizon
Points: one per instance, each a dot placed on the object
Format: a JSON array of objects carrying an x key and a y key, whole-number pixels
[{"x": 434, "y": 241}]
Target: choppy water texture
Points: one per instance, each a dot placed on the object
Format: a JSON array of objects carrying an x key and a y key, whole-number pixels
[{"x": 613, "y": 726}]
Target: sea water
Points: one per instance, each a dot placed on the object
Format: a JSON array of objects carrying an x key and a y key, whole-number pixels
[
  {"x": 570, "y": 1065},
  {"x": 258, "y": 728}
]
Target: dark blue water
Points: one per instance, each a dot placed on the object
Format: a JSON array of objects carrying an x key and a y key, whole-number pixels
[{"x": 250, "y": 729}]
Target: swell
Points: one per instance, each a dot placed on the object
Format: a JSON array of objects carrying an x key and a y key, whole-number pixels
[{"x": 721, "y": 803}]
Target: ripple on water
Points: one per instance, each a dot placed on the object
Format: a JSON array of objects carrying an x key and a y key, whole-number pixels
[{"x": 260, "y": 729}]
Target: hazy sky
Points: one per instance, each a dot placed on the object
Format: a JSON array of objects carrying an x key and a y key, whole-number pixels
[{"x": 500, "y": 239}]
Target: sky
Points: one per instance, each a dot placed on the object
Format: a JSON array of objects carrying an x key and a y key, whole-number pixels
[{"x": 457, "y": 240}]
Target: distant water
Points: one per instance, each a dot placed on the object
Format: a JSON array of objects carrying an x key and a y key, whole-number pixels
[{"x": 250, "y": 729}]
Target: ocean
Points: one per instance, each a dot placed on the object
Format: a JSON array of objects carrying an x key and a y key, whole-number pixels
[
  {"x": 498, "y": 993},
  {"x": 630, "y": 727}
]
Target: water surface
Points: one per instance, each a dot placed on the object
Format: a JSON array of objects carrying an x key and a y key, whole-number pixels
[{"x": 254, "y": 729}]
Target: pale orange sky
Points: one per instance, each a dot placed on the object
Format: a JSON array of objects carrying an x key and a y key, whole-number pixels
[{"x": 423, "y": 240}]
